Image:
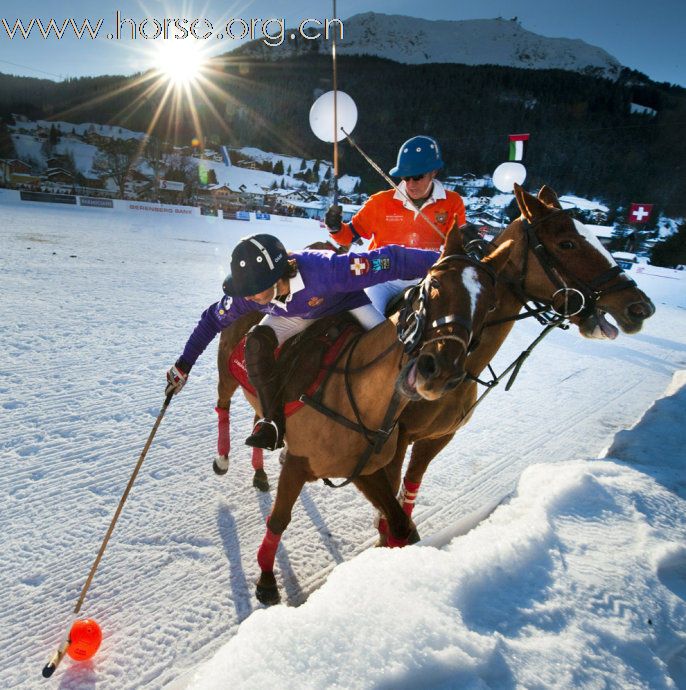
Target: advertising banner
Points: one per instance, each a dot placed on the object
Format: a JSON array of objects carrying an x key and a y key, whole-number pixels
[
  {"x": 95, "y": 202},
  {"x": 50, "y": 198}
]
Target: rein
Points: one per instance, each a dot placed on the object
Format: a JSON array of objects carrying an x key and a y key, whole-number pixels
[
  {"x": 375, "y": 438},
  {"x": 411, "y": 336},
  {"x": 547, "y": 314}
]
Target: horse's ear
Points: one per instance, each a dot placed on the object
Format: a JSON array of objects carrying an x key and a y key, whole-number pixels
[
  {"x": 454, "y": 243},
  {"x": 548, "y": 196},
  {"x": 498, "y": 258},
  {"x": 528, "y": 204}
]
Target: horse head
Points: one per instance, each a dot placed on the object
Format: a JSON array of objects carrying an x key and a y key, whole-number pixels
[
  {"x": 442, "y": 318},
  {"x": 566, "y": 267}
]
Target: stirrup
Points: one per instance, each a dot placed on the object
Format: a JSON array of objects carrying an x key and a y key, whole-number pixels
[{"x": 265, "y": 435}]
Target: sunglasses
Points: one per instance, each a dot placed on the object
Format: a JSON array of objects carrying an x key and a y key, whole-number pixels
[{"x": 414, "y": 178}]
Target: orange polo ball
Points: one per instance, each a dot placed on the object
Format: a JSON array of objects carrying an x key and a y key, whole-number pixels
[{"x": 85, "y": 637}]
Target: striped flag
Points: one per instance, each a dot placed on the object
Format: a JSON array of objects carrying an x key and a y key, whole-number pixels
[{"x": 518, "y": 144}]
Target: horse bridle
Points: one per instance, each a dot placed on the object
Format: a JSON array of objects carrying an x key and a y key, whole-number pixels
[
  {"x": 412, "y": 327},
  {"x": 572, "y": 301}
]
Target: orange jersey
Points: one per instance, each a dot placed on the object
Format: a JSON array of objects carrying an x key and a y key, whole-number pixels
[{"x": 387, "y": 218}]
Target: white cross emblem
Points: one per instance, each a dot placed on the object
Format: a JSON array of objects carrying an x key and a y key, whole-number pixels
[
  {"x": 640, "y": 213},
  {"x": 359, "y": 266}
]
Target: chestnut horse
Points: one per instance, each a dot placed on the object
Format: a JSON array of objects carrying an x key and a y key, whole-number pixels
[
  {"x": 555, "y": 263},
  {"x": 370, "y": 383}
]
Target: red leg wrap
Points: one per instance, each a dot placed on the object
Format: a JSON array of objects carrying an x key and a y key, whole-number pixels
[
  {"x": 257, "y": 459},
  {"x": 383, "y": 526},
  {"x": 408, "y": 495},
  {"x": 267, "y": 551},
  {"x": 394, "y": 543},
  {"x": 224, "y": 434}
]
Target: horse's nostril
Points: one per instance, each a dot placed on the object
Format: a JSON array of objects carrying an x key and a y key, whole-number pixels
[
  {"x": 641, "y": 310},
  {"x": 426, "y": 365}
]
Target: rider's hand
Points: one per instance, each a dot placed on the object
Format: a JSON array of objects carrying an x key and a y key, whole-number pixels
[
  {"x": 177, "y": 377},
  {"x": 334, "y": 218}
]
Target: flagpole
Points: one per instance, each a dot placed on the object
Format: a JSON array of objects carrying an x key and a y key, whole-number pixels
[{"x": 335, "y": 113}]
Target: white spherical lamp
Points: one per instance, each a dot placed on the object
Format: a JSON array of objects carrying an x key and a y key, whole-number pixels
[
  {"x": 321, "y": 116},
  {"x": 506, "y": 174}
]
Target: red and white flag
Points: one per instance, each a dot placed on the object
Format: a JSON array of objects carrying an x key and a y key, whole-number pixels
[{"x": 640, "y": 213}]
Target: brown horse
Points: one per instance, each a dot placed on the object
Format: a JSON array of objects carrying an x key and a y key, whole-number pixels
[
  {"x": 371, "y": 383},
  {"x": 554, "y": 262}
]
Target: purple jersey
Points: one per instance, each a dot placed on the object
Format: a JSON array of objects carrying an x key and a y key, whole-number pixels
[{"x": 326, "y": 284}]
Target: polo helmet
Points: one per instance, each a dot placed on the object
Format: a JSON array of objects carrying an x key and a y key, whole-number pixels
[
  {"x": 417, "y": 156},
  {"x": 257, "y": 263}
]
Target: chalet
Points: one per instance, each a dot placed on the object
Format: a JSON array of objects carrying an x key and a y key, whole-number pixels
[
  {"x": 58, "y": 176},
  {"x": 250, "y": 165},
  {"x": 11, "y": 167}
]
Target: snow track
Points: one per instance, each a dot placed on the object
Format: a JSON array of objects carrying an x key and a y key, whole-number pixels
[{"x": 95, "y": 307}]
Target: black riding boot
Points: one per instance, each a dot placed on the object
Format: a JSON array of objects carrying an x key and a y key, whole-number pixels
[{"x": 261, "y": 365}]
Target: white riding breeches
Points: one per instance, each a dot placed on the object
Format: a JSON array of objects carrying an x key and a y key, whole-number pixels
[
  {"x": 380, "y": 295},
  {"x": 287, "y": 326}
]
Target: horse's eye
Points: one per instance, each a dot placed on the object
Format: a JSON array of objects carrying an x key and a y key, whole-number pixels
[
  {"x": 492, "y": 307},
  {"x": 567, "y": 244},
  {"x": 434, "y": 283}
]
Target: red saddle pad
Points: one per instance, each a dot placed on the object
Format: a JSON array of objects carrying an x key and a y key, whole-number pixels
[{"x": 240, "y": 373}]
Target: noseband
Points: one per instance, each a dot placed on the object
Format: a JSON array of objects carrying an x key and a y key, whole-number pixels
[
  {"x": 583, "y": 296},
  {"x": 412, "y": 327}
]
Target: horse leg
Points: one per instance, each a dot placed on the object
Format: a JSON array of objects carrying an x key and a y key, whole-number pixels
[
  {"x": 393, "y": 472},
  {"x": 423, "y": 452},
  {"x": 293, "y": 476},
  {"x": 377, "y": 489},
  {"x": 226, "y": 387}
]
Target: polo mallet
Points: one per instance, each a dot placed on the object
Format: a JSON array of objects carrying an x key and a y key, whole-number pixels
[{"x": 54, "y": 662}]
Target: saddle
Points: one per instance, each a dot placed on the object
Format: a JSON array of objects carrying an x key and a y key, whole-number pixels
[{"x": 304, "y": 359}]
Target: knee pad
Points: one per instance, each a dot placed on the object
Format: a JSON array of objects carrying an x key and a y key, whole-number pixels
[{"x": 259, "y": 340}]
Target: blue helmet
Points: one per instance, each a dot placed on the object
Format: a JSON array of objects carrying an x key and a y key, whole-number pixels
[
  {"x": 417, "y": 156},
  {"x": 257, "y": 262}
]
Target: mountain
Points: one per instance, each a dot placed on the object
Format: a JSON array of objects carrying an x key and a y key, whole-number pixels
[{"x": 470, "y": 42}]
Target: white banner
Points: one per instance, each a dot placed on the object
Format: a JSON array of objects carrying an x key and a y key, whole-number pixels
[{"x": 172, "y": 186}]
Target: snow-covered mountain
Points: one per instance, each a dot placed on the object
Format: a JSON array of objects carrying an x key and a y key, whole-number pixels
[{"x": 471, "y": 42}]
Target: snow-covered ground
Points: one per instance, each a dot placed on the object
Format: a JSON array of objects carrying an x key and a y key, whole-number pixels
[{"x": 578, "y": 580}]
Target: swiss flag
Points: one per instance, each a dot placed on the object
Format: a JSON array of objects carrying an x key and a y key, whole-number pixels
[{"x": 640, "y": 213}]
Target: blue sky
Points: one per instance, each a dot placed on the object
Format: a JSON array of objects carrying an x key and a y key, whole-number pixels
[{"x": 643, "y": 36}]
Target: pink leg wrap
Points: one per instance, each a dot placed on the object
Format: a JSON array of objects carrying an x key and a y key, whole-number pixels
[
  {"x": 257, "y": 459},
  {"x": 408, "y": 495},
  {"x": 224, "y": 435},
  {"x": 267, "y": 551}
]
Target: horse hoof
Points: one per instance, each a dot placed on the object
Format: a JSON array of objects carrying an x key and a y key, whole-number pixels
[
  {"x": 414, "y": 536},
  {"x": 221, "y": 464},
  {"x": 266, "y": 591},
  {"x": 260, "y": 481}
]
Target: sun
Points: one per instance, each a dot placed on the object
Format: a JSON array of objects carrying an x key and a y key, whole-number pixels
[{"x": 182, "y": 62}]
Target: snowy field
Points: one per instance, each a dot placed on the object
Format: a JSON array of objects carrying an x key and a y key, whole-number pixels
[{"x": 577, "y": 580}]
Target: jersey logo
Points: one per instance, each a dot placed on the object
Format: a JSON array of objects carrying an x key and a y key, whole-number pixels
[
  {"x": 441, "y": 217},
  {"x": 394, "y": 218},
  {"x": 382, "y": 264},
  {"x": 359, "y": 265},
  {"x": 315, "y": 301}
]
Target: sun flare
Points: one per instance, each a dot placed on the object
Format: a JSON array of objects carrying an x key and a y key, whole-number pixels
[{"x": 180, "y": 61}]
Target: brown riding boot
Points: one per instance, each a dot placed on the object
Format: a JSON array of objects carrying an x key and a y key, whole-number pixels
[{"x": 261, "y": 365}]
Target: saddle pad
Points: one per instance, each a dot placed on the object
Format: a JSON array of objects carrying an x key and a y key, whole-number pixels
[{"x": 240, "y": 373}]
